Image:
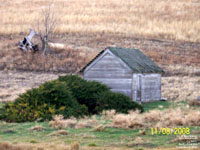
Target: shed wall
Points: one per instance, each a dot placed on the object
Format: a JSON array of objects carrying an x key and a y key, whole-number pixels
[
  {"x": 111, "y": 71},
  {"x": 146, "y": 87},
  {"x": 151, "y": 87}
]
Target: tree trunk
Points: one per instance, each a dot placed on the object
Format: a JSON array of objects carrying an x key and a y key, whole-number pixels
[{"x": 44, "y": 46}]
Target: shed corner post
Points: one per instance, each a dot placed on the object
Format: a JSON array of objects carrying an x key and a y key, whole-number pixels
[{"x": 134, "y": 88}]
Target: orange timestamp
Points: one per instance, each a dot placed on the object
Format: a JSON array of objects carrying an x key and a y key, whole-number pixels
[{"x": 170, "y": 131}]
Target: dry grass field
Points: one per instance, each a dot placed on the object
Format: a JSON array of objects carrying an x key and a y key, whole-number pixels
[
  {"x": 167, "y": 31},
  {"x": 177, "y": 20}
]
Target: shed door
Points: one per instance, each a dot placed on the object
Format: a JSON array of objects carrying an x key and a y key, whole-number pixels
[{"x": 139, "y": 89}]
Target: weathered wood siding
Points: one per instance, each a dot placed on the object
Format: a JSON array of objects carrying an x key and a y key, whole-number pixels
[
  {"x": 151, "y": 87},
  {"x": 111, "y": 71},
  {"x": 146, "y": 87},
  {"x": 136, "y": 87}
]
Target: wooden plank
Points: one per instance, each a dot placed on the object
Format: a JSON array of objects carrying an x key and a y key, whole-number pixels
[
  {"x": 109, "y": 64},
  {"x": 112, "y": 68},
  {"x": 150, "y": 87},
  {"x": 108, "y": 57},
  {"x": 121, "y": 61},
  {"x": 151, "y": 75},
  {"x": 114, "y": 83},
  {"x": 111, "y": 80},
  {"x": 106, "y": 74},
  {"x": 150, "y": 92},
  {"x": 109, "y": 76},
  {"x": 96, "y": 60},
  {"x": 108, "y": 60},
  {"x": 119, "y": 86},
  {"x": 151, "y": 84}
]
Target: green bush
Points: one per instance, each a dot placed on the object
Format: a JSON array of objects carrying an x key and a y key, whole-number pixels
[
  {"x": 50, "y": 98},
  {"x": 84, "y": 91},
  {"x": 121, "y": 103},
  {"x": 70, "y": 96}
]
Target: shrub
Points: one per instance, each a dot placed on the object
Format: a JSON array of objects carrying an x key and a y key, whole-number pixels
[
  {"x": 84, "y": 91},
  {"x": 121, "y": 103},
  {"x": 50, "y": 98},
  {"x": 70, "y": 96}
]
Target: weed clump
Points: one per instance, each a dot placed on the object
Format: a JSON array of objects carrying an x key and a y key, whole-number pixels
[
  {"x": 37, "y": 128},
  {"x": 157, "y": 118},
  {"x": 74, "y": 146},
  {"x": 59, "y": 122}
]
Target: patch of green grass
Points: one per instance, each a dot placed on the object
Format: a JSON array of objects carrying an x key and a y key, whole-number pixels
[
  {"x": 161, "y": 105},
  {"x": 85, "y": 136},
  {"x": 110, "y": 137},
  {"x": 33, "y": 141},
  {"x": 92, "y": 144}
]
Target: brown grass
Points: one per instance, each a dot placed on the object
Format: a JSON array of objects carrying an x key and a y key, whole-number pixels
[
  {"x": 138, "y": 141},
  {"x": 171, "y": 117},
  {"x": 8, "y": 146},
  {"x": 14, "y": 83},
  {"x": 59, "y": 123},
  {"x": 194, "y": 102},
  {"x": 177, "y": 20},
  {"x": 89, "y": 26},
  {"x": 75, "y": 146},
  {"x": 59, "y": 132},
  {"x": 99, "y": 128},
  {"x": 37, "y": 128},
  {"x": 69, "y": 61},
  {"x": 88, "y": 123},
  {"x": 180, "y": 88}
]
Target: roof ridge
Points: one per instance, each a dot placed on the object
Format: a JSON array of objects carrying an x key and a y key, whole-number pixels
[{"x": 134, "y": 58}]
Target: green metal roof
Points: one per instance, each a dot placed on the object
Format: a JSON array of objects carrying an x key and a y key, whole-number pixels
[{"x": 134, "y": 58}]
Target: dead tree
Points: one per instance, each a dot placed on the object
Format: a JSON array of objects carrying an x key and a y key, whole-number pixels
[{"x": 46, "y": 27}]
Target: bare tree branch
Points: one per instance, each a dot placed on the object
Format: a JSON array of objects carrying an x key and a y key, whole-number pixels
[{"x": 46, "y": 27}]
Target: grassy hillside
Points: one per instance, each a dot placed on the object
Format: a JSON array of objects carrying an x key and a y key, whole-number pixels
[
  {"x": 166, "y": 31},
  {"x": 177, "y": 20}
]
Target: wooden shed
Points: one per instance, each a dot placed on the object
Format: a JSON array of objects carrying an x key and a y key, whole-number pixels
[{"x": 126, "y": 71}]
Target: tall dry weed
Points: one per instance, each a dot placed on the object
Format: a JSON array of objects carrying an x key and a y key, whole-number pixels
[
  {"x": 59, "y": 123},
  {"x": 158, "y": 118},
  {"x": 8, "y": 146},
  {"x": 74, "y": 146},
  {"x": 131, "y": 120},
  {"x": 86, "y": 123},
  {"x": 108, "y": 114}
]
